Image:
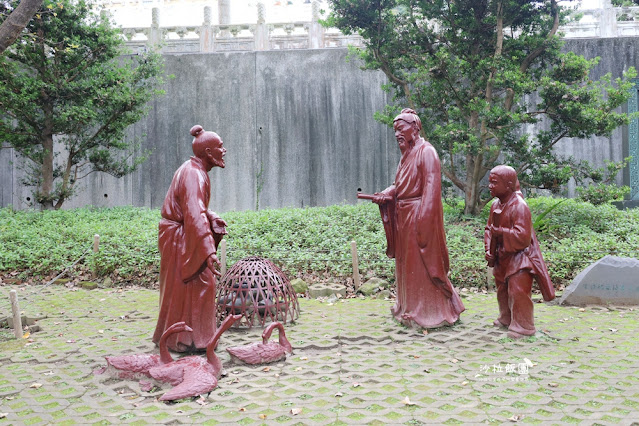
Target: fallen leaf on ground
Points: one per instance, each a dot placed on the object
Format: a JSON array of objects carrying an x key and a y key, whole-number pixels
[
  {"x": 338, "y": 394},
  {"x": 303, "y": 358},
  {"x": 26, "y": 335},
  {"x": 49, "y": 373},
  {"x": 298, "y": 369},
  {"x": 71, "y": 341},
  {"x": 296, "y": 411},
  {"x": 516, "y": 417},
  {"x": 356, "y": 385},
  {"x": 201, "y": 401},
  {"x": 262, "y": 416},
  {"x": 464, "y": 383},
  {"x": 266, "y": 369},
  {"x": 36, "y": 385},
  {"x": 454, "y": 361},
  {"x": 553, "y": 385},
  {"x": 242, "y": 409},
  {"x": 424, "y": 332},
  {"x": 406, "y": 401},
  {"x": 528, "y": 362}
]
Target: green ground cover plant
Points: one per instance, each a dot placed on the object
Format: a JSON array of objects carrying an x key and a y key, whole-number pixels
[{"x": 313, "y": 243}]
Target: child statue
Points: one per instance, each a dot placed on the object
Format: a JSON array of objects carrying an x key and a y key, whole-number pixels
[{"x": 513, "y": 251}]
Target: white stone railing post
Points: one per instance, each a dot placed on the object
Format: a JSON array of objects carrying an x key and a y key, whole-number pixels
[
  {"x": 608, "y": 20},
  {"x": 155, "y": 32},
  {"x": 315, "y": 29},
  {"x": 224, "y": 12},
  {"x": 261, "y": 33},
  {"x": 207, "y": 35}
]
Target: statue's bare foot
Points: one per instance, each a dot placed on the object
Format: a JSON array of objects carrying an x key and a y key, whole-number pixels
[
  {"x": 514, "y": 335},
  {"x": 498, "y": 323}
]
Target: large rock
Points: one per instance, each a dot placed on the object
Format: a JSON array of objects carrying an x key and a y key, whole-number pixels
[
  {"x": 299, "y": 285},
  {"x": 372, "y": 286},
  {"x": 611, "y": 280},
  {"x": 326, "y": 290}
]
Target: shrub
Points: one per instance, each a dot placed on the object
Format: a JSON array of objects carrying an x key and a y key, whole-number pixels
[
  {"x": 315, "y": 241},
  {"x": 602, "y": 193}
]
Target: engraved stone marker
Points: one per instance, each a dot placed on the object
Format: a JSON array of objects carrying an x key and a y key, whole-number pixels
[{"x": 611, "y": 280}]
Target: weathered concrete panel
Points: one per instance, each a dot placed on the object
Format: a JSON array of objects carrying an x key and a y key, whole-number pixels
[
  {"x": 318, "y": 142},
  {"x": 298, "y": 126},
  {"x": 616, "y": 56},
  {"x": 6, "y": 176},
  {"x": 218, "y": 92}
]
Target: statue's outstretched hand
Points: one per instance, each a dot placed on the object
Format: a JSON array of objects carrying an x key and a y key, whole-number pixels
[
  {"x": 380, "y": 198},
  {"x": 212, "y": 262}
]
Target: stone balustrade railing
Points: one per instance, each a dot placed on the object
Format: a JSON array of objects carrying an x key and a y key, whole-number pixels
[
  {"x": 228, "y": 37},
  {"x": 592, "y": 23},
  {"x": 604, "y": 22}
]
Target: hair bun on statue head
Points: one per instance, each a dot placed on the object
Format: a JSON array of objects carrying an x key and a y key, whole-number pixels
[
  {"x": 196, "y": 130},
  {"x": 203, "y": 140},
  {"x": 410, "y": 116}
]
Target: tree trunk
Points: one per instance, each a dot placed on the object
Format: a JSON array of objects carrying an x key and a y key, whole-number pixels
[
  {"x": 472, "y": 195},
  {"x": 471, "y": 202},
  {"x": 46, "y": 185},
  {"x": 17, "y": 20}
]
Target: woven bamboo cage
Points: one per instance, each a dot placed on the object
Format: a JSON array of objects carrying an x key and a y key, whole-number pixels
[{"x": 258, "y": 290}]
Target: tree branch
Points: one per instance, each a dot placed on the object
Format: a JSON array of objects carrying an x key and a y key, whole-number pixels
[
  {"x": 538, "y": 51},
  {"x": 16, "y": 22}
]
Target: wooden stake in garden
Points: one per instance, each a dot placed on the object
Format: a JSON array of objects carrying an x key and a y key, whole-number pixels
[
  {"x": 356, "y": 279},
  {"x": 222, "y": 257},
  {"x": 96, "y": 249},
  {"x": 15, "y": 309}
]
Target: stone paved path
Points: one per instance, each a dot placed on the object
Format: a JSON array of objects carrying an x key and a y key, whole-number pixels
[{"x": 352, "y": 365}]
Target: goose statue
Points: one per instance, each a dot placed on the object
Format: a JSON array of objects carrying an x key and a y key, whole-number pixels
[
  {"x": 137, "y": 366},
  {"x": 265, "y": 352},
  {"x": 193, "y": 375}
]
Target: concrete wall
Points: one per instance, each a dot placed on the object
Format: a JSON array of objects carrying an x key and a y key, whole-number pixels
[
  {"x": 616, "y": 56},
  {"x": 298, "y": 126}
]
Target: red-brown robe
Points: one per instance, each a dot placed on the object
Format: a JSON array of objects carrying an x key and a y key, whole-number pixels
[
  {"x": 518, "y": 249},
  {"x": 517, "y": 260},
  {"x": 186, "y": 240},
  {"x": 425, "y": 296}
]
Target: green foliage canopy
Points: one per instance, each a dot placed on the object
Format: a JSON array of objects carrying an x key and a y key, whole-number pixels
[
  {"x": 67, "y": 94},
  {"x": 477, "y": 72}
]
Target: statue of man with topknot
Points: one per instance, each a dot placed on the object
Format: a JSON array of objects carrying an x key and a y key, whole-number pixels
[{"x": 188, "y": 237}]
